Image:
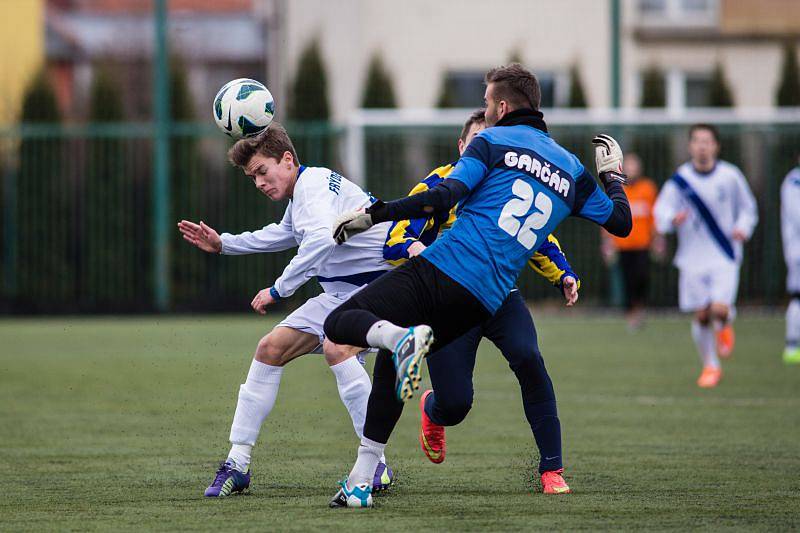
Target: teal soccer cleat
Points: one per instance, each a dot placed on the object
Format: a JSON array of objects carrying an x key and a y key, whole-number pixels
[
  {"x": 407, "y": 357},
  {"x": 358, "y": 497}
]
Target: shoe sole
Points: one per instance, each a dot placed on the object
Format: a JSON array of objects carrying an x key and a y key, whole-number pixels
[{"x": 412, "y": 369}]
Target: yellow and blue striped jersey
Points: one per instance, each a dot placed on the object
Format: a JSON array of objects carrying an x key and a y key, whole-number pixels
[
  {"x": 548, "y": 261},
  {"x": 404, "y": 233}
]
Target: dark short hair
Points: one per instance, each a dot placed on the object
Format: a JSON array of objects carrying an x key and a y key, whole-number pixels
[
  {"x": 707, "y": 127},
  {"x": 516, "y": 85},
  {"x": 477, "y": 117},
  {"x": 272, "y": 142}
]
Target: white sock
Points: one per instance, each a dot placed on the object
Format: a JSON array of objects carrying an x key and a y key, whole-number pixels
[
  {"x": 240, "y": 456},
  {"x": 793, "y": 323},
  {"x": 354, "y": 388},
  {"x": 706, "y": 343},
  {"x": 256, "y": 399},
  {"x": 384, "y": 334},
  {"x": 369, "y": 454}
]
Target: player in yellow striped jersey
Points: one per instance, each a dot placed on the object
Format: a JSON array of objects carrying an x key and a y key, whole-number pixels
[
  {"x": 511, "y": 329},
  {"x": 406, "y": 236}
]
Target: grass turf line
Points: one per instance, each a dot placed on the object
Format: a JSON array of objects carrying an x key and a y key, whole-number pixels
[{"x": 118, "y": 424}]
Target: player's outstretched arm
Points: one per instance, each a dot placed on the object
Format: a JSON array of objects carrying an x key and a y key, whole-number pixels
[
  {"x": 608, "y": 157},
  {"x": 440, "y": 198},
  {"x": 270, "y": 238},
  {"x": 404, "y": 239},
  {"x": 201, "y": 235},
  {"x": 747, "y": 215}
]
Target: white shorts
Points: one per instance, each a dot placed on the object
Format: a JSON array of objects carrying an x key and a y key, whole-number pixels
[
  {"x": 697, "y": 289},
  {"x": 793, "y": 278},
  {"x": 310, "y": 317}
]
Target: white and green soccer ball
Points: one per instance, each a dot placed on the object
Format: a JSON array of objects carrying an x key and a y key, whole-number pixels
[{"x": 243, "y": 108}]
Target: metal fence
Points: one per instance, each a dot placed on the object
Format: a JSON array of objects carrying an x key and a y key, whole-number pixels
[{"x": 77, "y": 208}]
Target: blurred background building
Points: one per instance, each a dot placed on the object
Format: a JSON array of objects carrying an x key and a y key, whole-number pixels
[{"x": 671, "y": 53}]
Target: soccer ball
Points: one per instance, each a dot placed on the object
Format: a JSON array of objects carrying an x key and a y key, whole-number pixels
[{"x": 243, "y": 108}]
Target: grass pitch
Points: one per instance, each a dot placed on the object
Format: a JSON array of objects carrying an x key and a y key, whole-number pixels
[{"x": 118, "y": 423}]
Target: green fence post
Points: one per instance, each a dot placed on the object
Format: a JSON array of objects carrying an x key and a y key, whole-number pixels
[
  {"x": 161, "y": 184},
  {"x": 10, "y": 231},
  {"x": 615, "y": 54}
]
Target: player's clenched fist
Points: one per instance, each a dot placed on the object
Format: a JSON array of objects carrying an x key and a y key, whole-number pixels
[
  {"x": 570, "y": 288},
  {"x": 608, "y": 157},
  {"x": 350, "y": 224}
]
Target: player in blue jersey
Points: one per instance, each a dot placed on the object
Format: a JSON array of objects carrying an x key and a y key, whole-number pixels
[
  {"x": 511, "y": 329},
  {"x": 514, "y": 184}
]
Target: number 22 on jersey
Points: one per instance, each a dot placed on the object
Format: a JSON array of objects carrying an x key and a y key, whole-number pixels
[{"x": 518, "y": 207}]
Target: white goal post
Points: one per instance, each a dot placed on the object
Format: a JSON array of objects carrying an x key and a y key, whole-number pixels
[{"x": 356, "y": 124}]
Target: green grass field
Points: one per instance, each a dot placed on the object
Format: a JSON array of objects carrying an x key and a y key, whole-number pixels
[{"x": 118, "y": 423}]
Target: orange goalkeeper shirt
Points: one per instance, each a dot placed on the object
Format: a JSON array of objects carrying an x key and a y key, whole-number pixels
[{"x": 642, "y": 196}]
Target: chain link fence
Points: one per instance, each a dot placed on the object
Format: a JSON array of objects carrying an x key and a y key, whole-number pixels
[{"x": 77, "y": 209}]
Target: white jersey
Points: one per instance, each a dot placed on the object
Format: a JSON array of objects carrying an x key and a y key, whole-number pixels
[
  {"x": 320, "y": 195},
  {"x": 718, "y": 202},
  {"x": 790, "y": 217}
]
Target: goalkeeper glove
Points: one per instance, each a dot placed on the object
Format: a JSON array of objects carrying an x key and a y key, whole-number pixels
[
  {"x": 608, "y": 157},
  {"x": 350, "y": 224}
]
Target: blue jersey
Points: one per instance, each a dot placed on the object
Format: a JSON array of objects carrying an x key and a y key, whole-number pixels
[{"x": 522, "y": 185}]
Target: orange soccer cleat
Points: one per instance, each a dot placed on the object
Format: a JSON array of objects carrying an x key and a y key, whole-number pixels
[
  {"x": 431, "y": 436},
  {"x": 553, "y": 483},
  {"x": 710, "y": 377},
  {"x": 725, "y": 341}
]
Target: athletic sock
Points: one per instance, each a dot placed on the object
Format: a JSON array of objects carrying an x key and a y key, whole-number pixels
[
  {"x": 384, "y": 334},
  {"x": 706, "y": 343},
  {"x": 239, "y": 456},
  {"x": 354, "y": 387},
  {"x": 793, "y": 324},
  {"x": 256, "y": 399},
  {"x": 369, "y": 455}
]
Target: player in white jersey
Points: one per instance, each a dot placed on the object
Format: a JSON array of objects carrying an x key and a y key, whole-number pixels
[
  {"x": 709, "y": 204},
  {"x": 317, "y": 196},
  {"x": 790, "y": 231}
]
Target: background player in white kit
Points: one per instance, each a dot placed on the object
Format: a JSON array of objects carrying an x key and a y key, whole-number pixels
[
  {"x": 709, "y": 204},
  {"x": 790, "y": 231},
  {"x": 317, "y": 196}
]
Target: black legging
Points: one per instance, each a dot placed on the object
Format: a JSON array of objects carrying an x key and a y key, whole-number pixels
[
  {"x": 415, "y": 293},
  {"x": 512, "y": 331}
]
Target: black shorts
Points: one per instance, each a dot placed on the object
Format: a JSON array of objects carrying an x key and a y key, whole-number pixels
[
  {"x": 635, "y": 266},
  {"x": 419, "y": 293}
]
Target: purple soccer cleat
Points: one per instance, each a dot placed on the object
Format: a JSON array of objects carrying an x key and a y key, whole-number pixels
[
  {"x": 227, "y": 481},
  {"x": 383, "y": 479}
]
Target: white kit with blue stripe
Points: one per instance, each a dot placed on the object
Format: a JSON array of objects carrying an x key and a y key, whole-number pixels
[
  {"x": 320, "y": 196},
  {"x": 790, "y": 228},
  {"x": 718, "y": 202}
]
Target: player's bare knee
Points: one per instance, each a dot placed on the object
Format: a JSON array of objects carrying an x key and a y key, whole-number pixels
[
  {"x": 719, "y": 312},
  {"x": 338, "y": 353},
  {"x": 703, "y": 316},
  {"x": 270, "y": 352}
]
